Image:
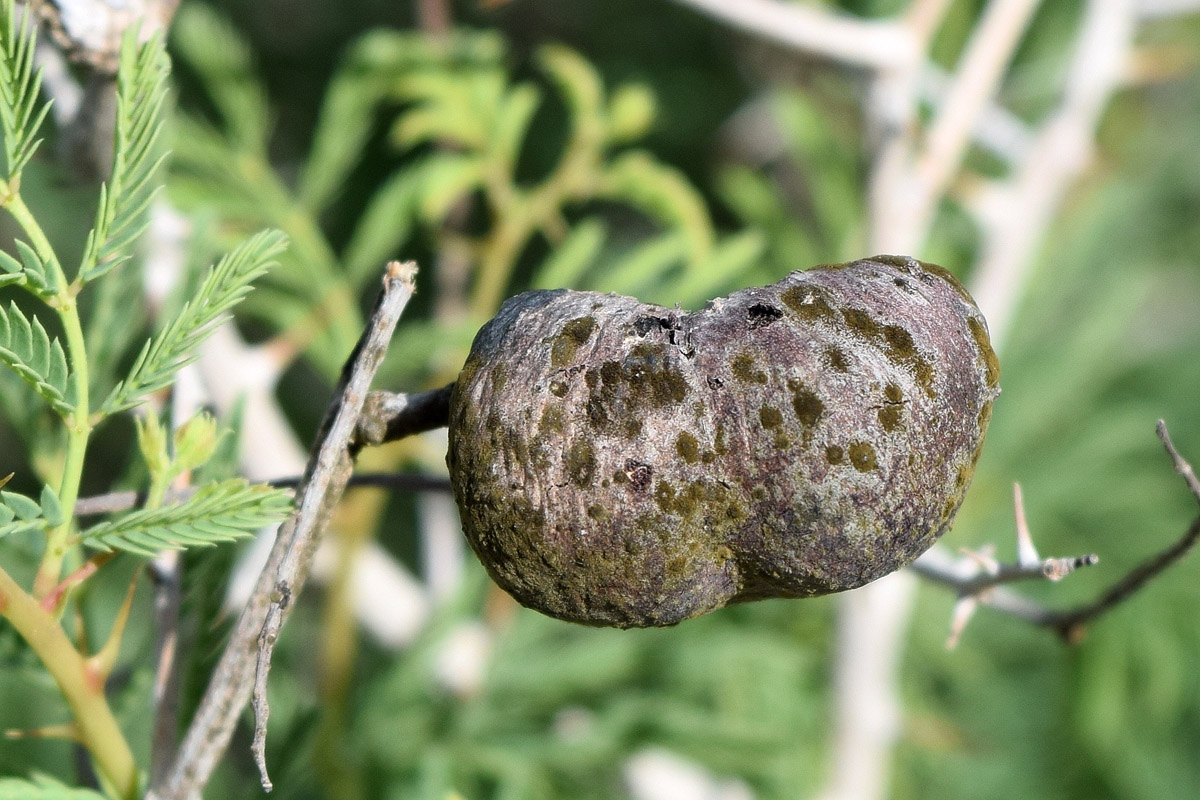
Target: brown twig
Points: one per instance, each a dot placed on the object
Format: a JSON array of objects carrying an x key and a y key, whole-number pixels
[
  {"x": 167, "y": 576},
  {"x": 248, "y": 653},
  {"x": 1070, "y": 624},
  {"x": 387, "y": 416},
  {"x": 975, "y": 588}
]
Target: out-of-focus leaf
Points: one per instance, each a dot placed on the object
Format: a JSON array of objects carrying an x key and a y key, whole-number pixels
[
  {"x": 663, "y": 193},
  {"x": 567, "y": 264}
]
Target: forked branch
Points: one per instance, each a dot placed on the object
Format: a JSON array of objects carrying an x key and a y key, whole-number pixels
[{"x": 978, "y": 579}]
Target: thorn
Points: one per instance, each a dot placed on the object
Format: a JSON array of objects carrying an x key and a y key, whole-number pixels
[
  {"x": 58, "y": 595},
  {"x": 964, "y": 609},
  {"x": 66, "y": 730},
  {"x": 101, "y": 664},
  {"x": 985, "y": 557},
  {"x": 4, "y": 481},
  {"x": 1027, "y": 554}
]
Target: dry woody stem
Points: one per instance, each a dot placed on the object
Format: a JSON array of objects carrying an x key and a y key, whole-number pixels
[
  {"x": 246, "y": 659},
  {"x": 983, "y": 584}
]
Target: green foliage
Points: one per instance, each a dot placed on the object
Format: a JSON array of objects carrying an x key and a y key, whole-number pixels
[
  {"x": 173, "y": 347},
  {"x": 38, "y": 359},
  {"x": 43, "y": 787},
  {"x": 21, "y": 514},
  {"x": 217, "y": 512},
  {"x": 58, "y": 371},
  {"x": 29, "y": 272},
  {"x": 21, "y": 115},
  {"x": 124, "y": 199}
]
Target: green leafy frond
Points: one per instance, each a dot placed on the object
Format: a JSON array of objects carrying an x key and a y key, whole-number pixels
[
  {"x": 218, "y": 512},
  {"x": 579, "y": 82},
  {"x": 221, "y": 56},
  {"x": 30, "y": 271},
  {"x": 663, "y": 193},
  {"x": 451, "y": 108},
  {"x": 43, "y": 787},
  {"x": 21, "y": 514},
  {"x": 20, "y": 113},
  {"x": 175, "y": 345},
  {"x": 124, "y": 199},
  {"x": 29, "y": 351},
  {"x": 570, "y": 260},
  {"x": 372, "y": 69}
]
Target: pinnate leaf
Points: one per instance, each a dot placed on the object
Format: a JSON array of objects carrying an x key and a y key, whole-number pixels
[
  {"x": 28, "y": 350},
  {"x": 175, "y": 345},
  {"x": 21, "y": 114},
  {"x": 217, "y": 512},
  {"x": 125, "y": 198}
]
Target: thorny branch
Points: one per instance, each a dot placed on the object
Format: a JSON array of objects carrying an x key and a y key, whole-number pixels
[
  {"x": 246, "y": 658},
  {"x": 979, "y": 579}
]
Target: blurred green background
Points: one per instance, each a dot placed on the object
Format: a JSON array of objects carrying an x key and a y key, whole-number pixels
[{"x": 367, "y": 139}]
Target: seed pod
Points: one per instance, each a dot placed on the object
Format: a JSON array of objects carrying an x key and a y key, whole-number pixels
[{"x": 618, "y": 463}]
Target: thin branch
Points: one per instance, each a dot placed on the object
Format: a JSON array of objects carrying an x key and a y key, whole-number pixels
[
  {"x": 1070, "y": 624},
  {"x": 433, "y": 17},
  {"x": 863, "y": 43},
  {"x": 387, "y": 416},
  {"x": 1015, "y": 214},
  {"x": 976, "y": 589},
  {"x": 977, "y": 76},
  {"x": 249, "y": 650}
]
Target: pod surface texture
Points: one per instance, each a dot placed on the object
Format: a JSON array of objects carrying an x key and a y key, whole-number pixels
[{"x": 619, "y": 463}]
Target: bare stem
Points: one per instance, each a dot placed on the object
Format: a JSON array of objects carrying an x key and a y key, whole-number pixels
[
  {"x": 249, "y": 650},
  {"x": 976, "y": 588}
]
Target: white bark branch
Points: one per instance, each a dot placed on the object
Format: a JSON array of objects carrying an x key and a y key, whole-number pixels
[{"x": 863, "y": 43}]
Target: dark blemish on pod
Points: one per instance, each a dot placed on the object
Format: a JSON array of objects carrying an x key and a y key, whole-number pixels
[
  {"x": 862, "y": 456},
  {"x": 572, "y": 336},
  {"x": 805, "y": 403},
  {"x": 770, "y": 417},
  {"x": 991, "y": 364},
  {"x": 949, "y": 277},
  {"x": 835, "y": 454},
  {"x": 688, "y": 448},
  {"x": 744, "y": 370},
  {"x": 580, "y": 463},
  {"x": 761, "y": 315},
  {"x": 962, "y": 476},
  {"x": 891, "y": 417},
  {"x": 558, "y": 388},
  {"x": 807, "y": 302},
  {"x": 836, "y": 358},
  {"x": 552, "y": 420}
]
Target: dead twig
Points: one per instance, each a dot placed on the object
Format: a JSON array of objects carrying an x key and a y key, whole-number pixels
[
  {"x": 387, "y": 416},
  {"x": 978, "y": 580},
  {"x": 246, "y": 658}
]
